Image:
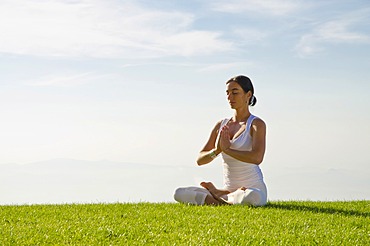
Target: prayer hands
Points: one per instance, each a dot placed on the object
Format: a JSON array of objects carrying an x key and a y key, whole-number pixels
[{"x": 223, "y": 140}]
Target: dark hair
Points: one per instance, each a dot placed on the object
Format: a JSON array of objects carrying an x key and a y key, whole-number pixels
[{"x": 246, "y": 84}]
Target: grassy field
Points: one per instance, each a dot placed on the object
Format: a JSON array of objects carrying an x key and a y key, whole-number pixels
[{"x": 278, "y": 223}]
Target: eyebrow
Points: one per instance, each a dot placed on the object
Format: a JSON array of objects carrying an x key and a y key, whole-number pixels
[{"x": 233, "y": 89}]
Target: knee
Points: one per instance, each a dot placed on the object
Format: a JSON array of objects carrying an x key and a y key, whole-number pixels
[
  {"x": 179, "y": 194},
  {"x": 184, "y": 195},
  {"x": 189, "y": 195},
  {"x": 254, "y": 197}
]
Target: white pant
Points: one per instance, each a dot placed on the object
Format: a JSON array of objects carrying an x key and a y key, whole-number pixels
[
  {"x": 197, "y": 196},
  {"x": 191, "y": 195}
]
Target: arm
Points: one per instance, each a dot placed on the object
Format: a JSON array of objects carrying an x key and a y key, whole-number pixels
[
  {"x": 206, "y": 153},
  {"x": 255, "y": 156}
]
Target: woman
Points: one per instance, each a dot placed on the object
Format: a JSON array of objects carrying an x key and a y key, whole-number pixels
[{"x": 241, "y": 142}]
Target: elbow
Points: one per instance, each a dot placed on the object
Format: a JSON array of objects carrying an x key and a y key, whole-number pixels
[
  {"x": 258, "y": 160},
  {"x": 258, "y": 157},
  {"x": 200, "y": 162}
]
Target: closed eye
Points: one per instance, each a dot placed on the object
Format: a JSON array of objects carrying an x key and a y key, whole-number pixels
[{"x": 234, "y": 91}]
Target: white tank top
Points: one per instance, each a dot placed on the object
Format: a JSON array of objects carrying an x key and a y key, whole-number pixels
[{"x": 238, "y": 173}]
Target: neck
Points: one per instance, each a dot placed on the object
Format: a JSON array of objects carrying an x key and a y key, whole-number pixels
[{"x": 242, "y": 114}]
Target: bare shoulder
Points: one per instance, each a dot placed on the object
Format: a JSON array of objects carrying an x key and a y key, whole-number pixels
[
  {"x": 258, "y": 122},
  {"x": 258, "y": 125}
]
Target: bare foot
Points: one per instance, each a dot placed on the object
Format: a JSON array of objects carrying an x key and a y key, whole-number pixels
[
  {"x": 216, "y": 193},
  {"x": 210, "y": 200}
]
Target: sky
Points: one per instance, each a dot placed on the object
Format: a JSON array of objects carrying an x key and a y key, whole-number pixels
[{"x": 144, "y": 82}]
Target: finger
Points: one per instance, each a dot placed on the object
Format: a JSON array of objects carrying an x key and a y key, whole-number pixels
[{"x": 225, "y": 136}]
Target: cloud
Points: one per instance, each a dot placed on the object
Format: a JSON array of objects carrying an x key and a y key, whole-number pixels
[
  {"x": 67, "y": 80},
  {"x": 103, "y": 29},
  {"x": 343, "y": 30},
  {"x": 266, "y": 7}
]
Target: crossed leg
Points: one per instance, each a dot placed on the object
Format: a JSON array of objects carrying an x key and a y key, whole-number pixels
[{"x": 217, "y": 194}]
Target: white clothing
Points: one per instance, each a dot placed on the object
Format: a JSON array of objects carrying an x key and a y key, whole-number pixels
[
  {"x": 250, "y": 196},
  {"x": 191, "y": 195},
  {"x": 236, "y": 174}
]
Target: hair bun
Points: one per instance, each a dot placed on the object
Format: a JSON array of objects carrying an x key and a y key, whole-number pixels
[{"x": 253, "y": 100}]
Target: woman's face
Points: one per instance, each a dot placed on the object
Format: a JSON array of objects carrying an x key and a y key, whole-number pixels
[{"x": 236, "y": 96}]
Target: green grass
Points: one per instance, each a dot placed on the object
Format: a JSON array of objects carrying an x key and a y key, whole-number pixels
[{"x": 278, "y": 223}]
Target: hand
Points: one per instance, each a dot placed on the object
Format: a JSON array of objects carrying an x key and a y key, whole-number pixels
[
  {"x": 218, "y": 144},
  {"x": 224, "y": 139}
]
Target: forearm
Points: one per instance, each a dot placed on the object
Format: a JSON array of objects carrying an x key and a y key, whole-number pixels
[
  {"x": 207, "y": 156},
  {"x": 253, "y": 157}
]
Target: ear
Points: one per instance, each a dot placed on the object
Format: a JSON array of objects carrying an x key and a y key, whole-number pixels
[{"x": 249, "y": 95}]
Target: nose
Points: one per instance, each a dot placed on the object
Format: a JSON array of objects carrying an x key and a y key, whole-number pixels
[{"x": 229, "y": 96}]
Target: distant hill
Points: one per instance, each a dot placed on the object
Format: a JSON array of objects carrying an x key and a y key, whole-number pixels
[
  {"x": 80, "y": 181},
  {"x": 76, "y": 181}
]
